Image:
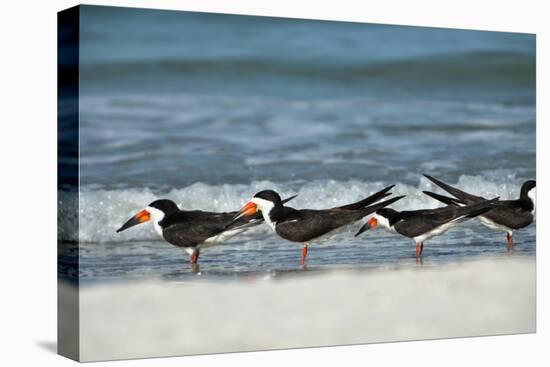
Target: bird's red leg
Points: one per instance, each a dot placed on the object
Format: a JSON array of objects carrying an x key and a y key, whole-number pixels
[
  {"x": 510, "y": 239},
  {"x": 304, "y": 255},
  {"x": 418, "y": 249},
  {"x": 194, "y": 256}
]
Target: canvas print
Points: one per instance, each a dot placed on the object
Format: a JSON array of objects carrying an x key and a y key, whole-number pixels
[{"x": 233, "y": 183}]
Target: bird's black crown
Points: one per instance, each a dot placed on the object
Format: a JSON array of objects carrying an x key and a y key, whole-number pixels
[
  {"x": 528, "y": 186},
  {"x": 165, "y": 205},
  {"x": 269, "y": 195},
  {"x": 390, "y": 214}
]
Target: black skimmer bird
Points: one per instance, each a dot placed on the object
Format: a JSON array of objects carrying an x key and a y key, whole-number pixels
[
  {"x": 506, "y": 215},
  {"x": 191, "y": 229},
  {"x": 308, "y": 225},
  {"x": 424, "y": 224}
]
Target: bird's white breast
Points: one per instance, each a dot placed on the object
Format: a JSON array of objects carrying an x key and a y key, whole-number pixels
[
  {"x": 437, "y": 231},
  {"x": 493, "y": 225},
  {"x": 265, "y": 206},
  {"x": 156, "y": 216}
]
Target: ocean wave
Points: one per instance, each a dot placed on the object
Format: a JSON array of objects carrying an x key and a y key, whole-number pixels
[
  {"x": 463, "y": 67},
  {"x": 101, "y": 212}
]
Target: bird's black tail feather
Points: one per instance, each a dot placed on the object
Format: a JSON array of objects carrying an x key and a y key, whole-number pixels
[
  {"x": 444, "y": 199},
  {"x": 371, "y": 209},
  {"x": 367, "y": 201},
  {"x": 474, "y": 210},
  {"x": 453, "y": 190},
  {"x": 288, "y": 199}
]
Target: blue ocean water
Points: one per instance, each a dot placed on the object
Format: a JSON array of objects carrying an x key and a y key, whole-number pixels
[{"x": 207, "y": 109}]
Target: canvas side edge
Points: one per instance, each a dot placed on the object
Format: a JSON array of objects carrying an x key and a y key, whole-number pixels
[{"x": 68, "y": 327}]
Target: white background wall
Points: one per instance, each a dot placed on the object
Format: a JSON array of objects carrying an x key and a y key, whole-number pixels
[{"x": 28, "y": 181}]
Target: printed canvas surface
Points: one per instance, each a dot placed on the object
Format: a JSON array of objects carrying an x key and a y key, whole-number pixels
[{"x": 194, "y": 128}]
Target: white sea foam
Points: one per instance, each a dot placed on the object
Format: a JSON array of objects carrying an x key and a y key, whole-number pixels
[{"x": 101, "y": 212}]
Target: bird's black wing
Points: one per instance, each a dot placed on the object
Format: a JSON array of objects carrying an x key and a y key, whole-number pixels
[
  {"x": 510, "y": 213},
  {"x": 190, "y": 228},
  {"x": 412, "y": 223},
  {"x": 417, "y": 222},
  {"x": 307, "y": 224}
]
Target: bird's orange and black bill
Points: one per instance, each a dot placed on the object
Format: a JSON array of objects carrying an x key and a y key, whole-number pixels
[
  {"x": 249, "y": 209},
  {"x": 371, "y": 223},
  {"x": 141, "y": 217}
]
